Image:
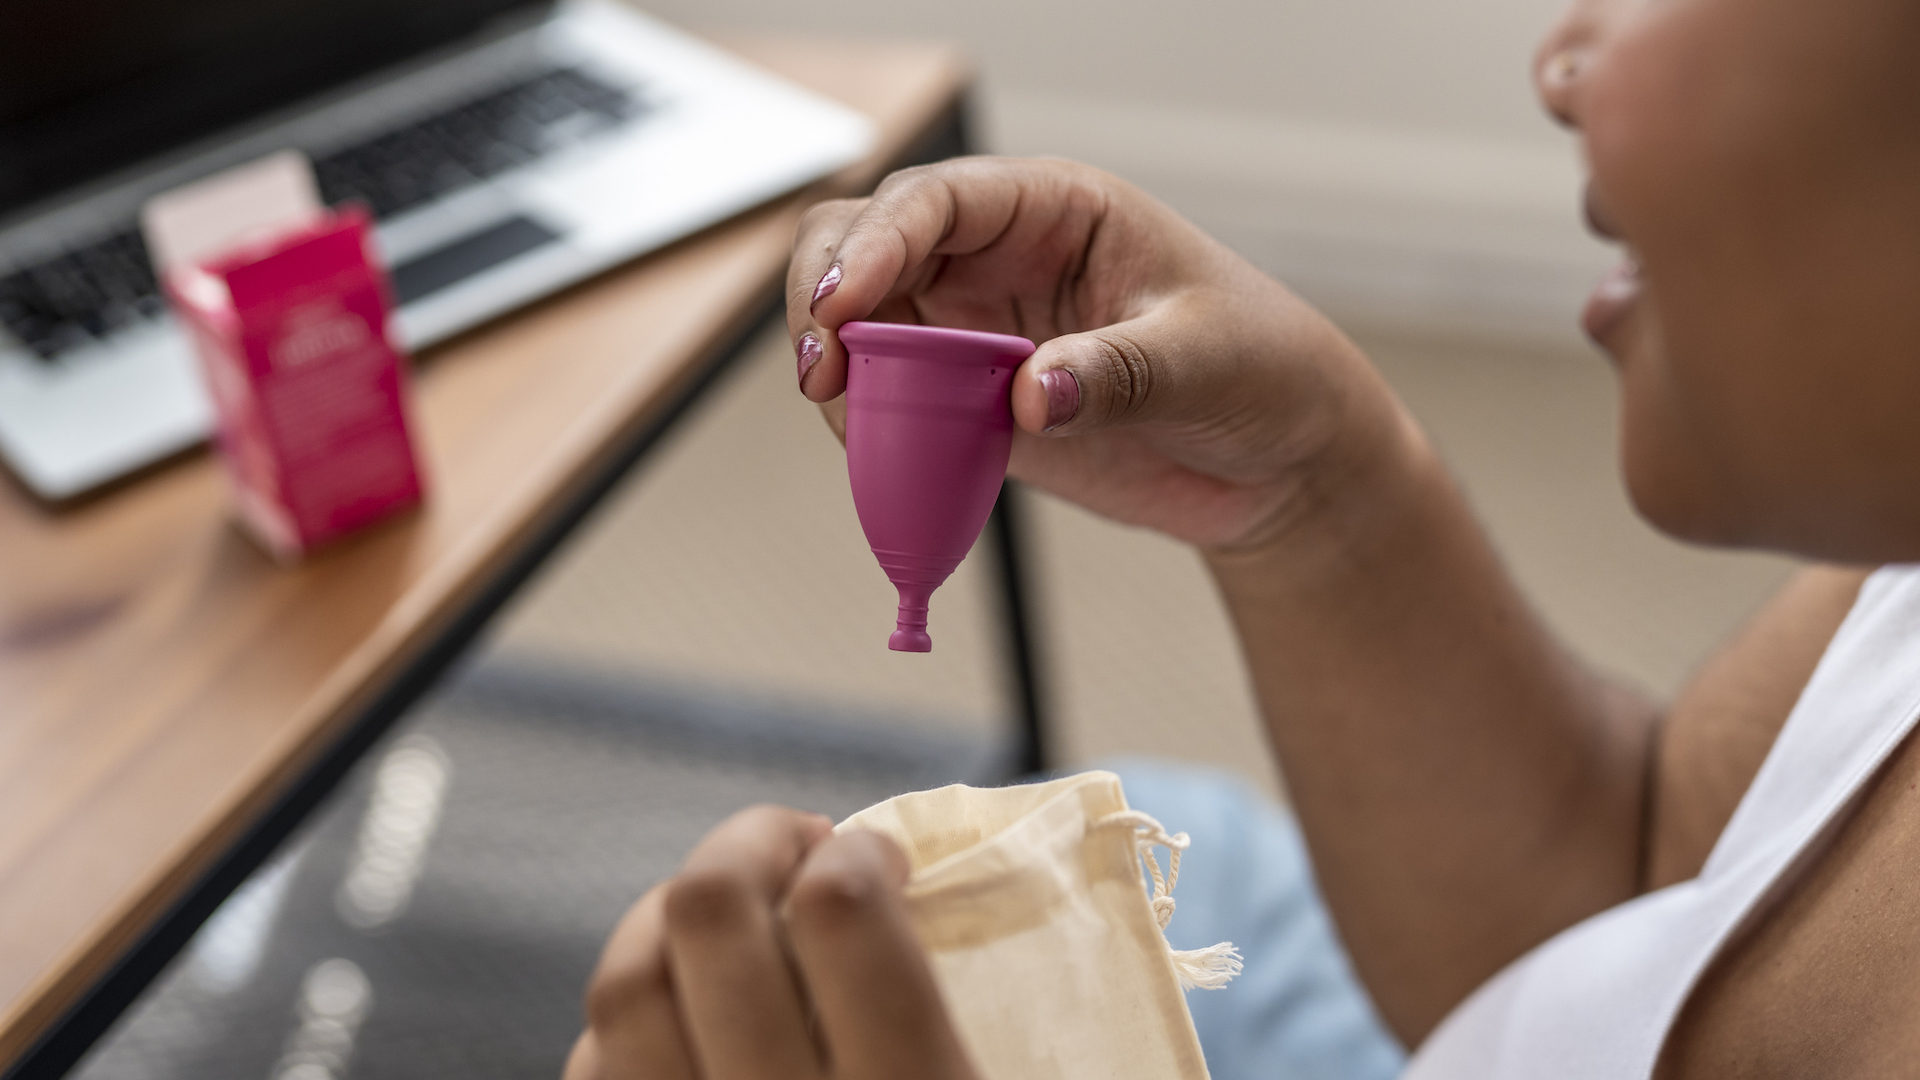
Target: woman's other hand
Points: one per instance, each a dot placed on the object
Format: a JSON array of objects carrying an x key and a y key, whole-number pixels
[
  {"x": 780, "y": 952},
  {"x": 1175, "y": 385}
]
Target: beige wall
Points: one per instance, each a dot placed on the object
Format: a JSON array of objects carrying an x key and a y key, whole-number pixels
[
  {"x": 1452, "y": 65},
  {"x": 1385, "y": 157}
]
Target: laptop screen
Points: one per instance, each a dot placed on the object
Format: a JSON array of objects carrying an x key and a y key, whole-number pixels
[{"x": 90, "y": 86}]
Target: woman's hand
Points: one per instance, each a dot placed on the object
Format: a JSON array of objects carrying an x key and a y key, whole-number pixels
[
  {"x": 1175, "y": 385},
  {"x": 1466, "y": 788},
  {"x": 780, "y": 952}
]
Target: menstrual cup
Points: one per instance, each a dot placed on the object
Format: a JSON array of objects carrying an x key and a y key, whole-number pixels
[{"x": 929, "y": 428}]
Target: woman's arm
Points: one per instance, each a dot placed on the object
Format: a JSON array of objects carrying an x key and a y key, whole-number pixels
[{"x": 1466, "y": 788}]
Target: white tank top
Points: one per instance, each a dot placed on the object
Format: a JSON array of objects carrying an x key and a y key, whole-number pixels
[{"x": 1595, "y": 1002}]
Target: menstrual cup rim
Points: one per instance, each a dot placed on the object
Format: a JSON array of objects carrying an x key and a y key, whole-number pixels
[{"x": 934, "y": 342}]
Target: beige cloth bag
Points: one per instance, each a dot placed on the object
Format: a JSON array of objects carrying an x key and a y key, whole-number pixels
[{"x": 1046, "y": 944}]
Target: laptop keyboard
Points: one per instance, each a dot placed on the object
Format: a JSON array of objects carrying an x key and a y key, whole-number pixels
[
  {"x": 93, "y": 290},
  {"x": 443, "y": 153}
]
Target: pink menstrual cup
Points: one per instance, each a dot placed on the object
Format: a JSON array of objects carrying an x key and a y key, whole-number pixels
[{"x": 929, "y": 428}]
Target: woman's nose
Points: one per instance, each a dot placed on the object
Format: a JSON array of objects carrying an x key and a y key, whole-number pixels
[{"x": 1567, "y": 53}]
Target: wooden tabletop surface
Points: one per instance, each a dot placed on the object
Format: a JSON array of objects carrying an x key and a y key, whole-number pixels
[{"x": 161, "y": 681}]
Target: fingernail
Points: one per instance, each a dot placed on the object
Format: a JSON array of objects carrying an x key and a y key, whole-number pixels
[
  {"x": 829, "y": 281},
  {"x": 809, "y": 354},
  {"x": 1063, "y": 396}
]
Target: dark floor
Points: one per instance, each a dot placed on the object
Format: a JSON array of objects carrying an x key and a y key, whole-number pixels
[{"x": 440, "y": 916}]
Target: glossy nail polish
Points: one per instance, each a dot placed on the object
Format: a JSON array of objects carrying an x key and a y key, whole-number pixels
[
  {"x": 808, "y": 353},
  {"x": 1063, "y": 396},
  {"x": 829, "y": 281}
]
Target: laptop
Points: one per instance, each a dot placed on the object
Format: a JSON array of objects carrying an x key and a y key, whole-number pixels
[{"x": 506, "y": 147}]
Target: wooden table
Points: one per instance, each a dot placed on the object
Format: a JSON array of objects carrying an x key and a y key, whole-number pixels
[{"x": 171, "y": 702}]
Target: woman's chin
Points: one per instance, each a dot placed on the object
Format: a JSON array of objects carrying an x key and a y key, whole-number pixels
[
  {"x": 1677, "y": 517},
  {"x": 1677, "y": 494}
]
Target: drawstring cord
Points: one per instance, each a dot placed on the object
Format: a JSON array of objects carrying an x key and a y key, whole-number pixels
[{"x": 1203, "y": 969}]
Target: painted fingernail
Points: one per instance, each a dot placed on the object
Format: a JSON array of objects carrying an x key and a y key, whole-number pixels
[
  {"x": 829, "y": 281},
  {"x": 809, "y": 353},
  {"x": 1063, "y": 396}
]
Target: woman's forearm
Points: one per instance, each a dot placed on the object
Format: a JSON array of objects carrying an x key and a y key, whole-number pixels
[{"x": 1466, "y": 787}]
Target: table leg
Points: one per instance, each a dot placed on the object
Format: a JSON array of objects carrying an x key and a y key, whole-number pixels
[
  {"x": 1032, "y": 746},
  {"x": 1006, "y": 528}
]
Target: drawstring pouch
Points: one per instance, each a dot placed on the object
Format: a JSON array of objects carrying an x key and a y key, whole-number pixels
[{"x": 1047, "y": 939}]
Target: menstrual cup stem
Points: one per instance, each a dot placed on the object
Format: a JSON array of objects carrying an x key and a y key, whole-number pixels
[{"x": 910, "y": 626}]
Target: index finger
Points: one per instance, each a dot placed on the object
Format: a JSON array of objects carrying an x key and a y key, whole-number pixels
[
  {"x": 808, "y": 274},
  {"x": 634, "y": 1027},
  {"x": 883, "y": 246},
  {"x": 743, "y": 1010},
  {"x": 865, "y": 969}
]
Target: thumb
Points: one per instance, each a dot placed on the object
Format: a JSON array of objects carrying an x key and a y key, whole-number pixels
[{"x": 1103, "y": 378}]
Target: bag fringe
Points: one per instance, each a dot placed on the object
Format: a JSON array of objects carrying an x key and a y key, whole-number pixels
[
  {"x": 1206, "y": 969},
  {"x": 1197, "y": 969}
]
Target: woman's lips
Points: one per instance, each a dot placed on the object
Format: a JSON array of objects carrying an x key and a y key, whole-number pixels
[{"x": 1612, "y": 299}]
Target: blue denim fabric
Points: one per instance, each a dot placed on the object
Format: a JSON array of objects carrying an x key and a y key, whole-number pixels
[{"x": 1296, "y": 1012}]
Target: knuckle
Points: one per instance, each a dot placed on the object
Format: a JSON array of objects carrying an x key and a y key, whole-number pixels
[
  {"x": 903, "y": 180},
  {"x": 811, "y": 218},
  {"x": 1126, "y": 368},
  {"x": 827, "y": 214},
  {"x": 764, "y": 818},
  {"x": 612, "y": 997},
  {"x": 834, "y": 898},
  {"x": 911, "y": 190},
  {"x": 709, "y": 900}
]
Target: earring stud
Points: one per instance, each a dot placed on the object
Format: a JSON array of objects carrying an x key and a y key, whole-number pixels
[{"x": 1562, "y": 66}]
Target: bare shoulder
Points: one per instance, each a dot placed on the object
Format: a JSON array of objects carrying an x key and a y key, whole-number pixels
[
  {"x": 1822, "y": 984},
  {"x": 1723, "y": 722}
]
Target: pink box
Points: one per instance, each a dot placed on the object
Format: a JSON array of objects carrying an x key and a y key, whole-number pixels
[{"x": 294, "y": 336}]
